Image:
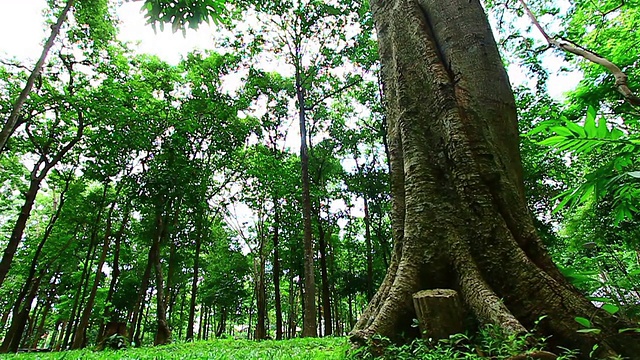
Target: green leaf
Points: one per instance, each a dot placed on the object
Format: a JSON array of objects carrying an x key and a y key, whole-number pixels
[
  {"x": 583, "y": 321},
  {"x": 603, "y": 131},
  {"x": 552, "y": 140},
  {"x": 635, "y": 174},
  {"x": 590, "y": 123},
  {"x": 562, "y": 131},
  {"x": 611, "y": 309},
  {"x": 590, "y": 331},
  {"x": 616, "y": 134},
  {"x": 576, "y": 129},
  {"x": 629, "y": 330}
]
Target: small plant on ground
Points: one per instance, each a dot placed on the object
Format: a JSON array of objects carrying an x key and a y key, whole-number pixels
[{"x": 489, "y": 342}]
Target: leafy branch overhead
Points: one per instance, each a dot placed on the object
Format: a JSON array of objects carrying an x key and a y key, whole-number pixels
[
  {"x": 183, "y": 13},
  {"x": 617, "y": 177},
  {"x": 621, "y": 79}
]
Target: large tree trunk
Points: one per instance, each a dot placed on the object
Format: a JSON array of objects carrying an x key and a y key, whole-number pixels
[{"x": 459, "y": 217}]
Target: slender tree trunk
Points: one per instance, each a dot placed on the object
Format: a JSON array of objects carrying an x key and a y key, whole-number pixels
[
  {"x": 369, "y": 249},
  {"x": 76, "y": 300},
  {"x": 13, "y": 337},
  {"x": 222, "y": 325},
  {"x": 115, "y": 273},
  {"x": 323, "y": 240},
  {"x": 276, "y": 269},
  {"x": 201, "y": 323},
  {"x": 253, "y": 297},
  {"x": 31, "y": 275},
  {"x": 5, "y": 317},
  {"x": 138, "y": 308},
  {"x": 453, "y": 142},
  {"x": 181, "y": 316},
  {"x": 163, "y": 333},
  {"x": 383, "y": 242},
  {"x": 85, "y": 289},
  {"x": 207, "y": 310},
  {"x": 18, "y": 229},
  {"x": 33, "y": 319},
  {"x": 145, "y": 320},
  {"x": 81, "y": 293},
  {"x": 43, "y": 318},
  {"x": 61, "y": 333},
  {"x": 291, "y": 302},
  {"x": 261, "y": 295},
  {"x": 309, "y": 323},
  {"x": 319, "y": 312},
  {"x": 40, "y": 170},
  {"x": 80, "y": 338},
  {"x": 137, "y": 324},
  {"x": 169, "y": 296},
  {"x": 194, "y": 288},
  {"x": 12, "y": 121},
  {"x": 54, "y": 335}
]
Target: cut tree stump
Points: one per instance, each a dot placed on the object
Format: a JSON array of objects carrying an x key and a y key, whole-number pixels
[{"x": 440, "y": 313}]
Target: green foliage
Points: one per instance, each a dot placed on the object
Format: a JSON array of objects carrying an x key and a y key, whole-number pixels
[
  {"x": 296, "y": 349},
  {"x": 180, "y": 13},
  {"x": 115, "y": 342},
  {"x": 489, "y": 342},
  {"x": 616, "y": 153}
]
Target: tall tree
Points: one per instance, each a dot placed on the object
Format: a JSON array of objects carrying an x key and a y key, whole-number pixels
[
  {"x": 453, "y": 142},
  {"x": 14, "y": 117}
]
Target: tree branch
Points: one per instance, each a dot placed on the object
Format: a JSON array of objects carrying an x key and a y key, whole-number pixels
[{"x": 570, "y": 47}]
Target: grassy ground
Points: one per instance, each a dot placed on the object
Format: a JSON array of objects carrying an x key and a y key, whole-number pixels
[{"x": 303, "y": 349}]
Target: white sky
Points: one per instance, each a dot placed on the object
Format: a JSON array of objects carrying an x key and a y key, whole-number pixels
[{"x": 22, "y": 32}]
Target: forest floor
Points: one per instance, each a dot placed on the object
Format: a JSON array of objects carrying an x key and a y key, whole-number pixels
[{"x": 303, "y": 349}]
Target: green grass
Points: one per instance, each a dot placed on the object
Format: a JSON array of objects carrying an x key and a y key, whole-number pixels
[{"x": 303, "y": 349}]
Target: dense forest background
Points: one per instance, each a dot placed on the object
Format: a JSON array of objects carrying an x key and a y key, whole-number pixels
[{"x": 166, "y": 202}]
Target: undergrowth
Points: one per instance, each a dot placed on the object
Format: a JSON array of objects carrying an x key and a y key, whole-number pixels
[
  {"x": 488, "y": 343},
  {"x": 330, "y": 348}
]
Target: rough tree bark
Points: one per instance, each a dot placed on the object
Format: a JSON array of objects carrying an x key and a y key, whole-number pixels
[{"x": 460, "y": 218}]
